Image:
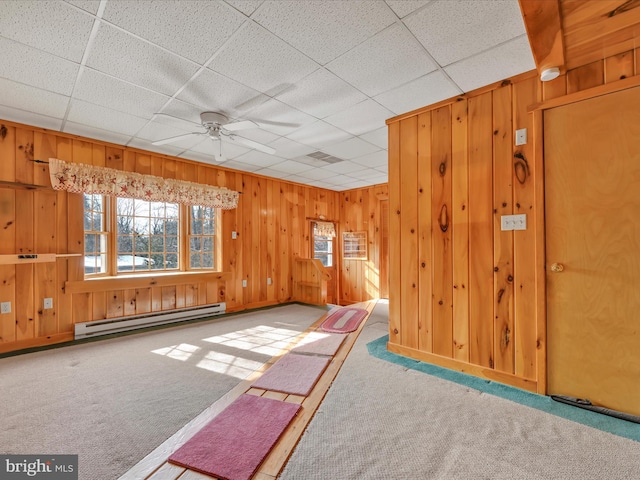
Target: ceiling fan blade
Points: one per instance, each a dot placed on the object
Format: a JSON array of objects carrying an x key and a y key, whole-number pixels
[
  {"x": 251, "y": 144},
  {"x": 175, "y": 139},
  {"x": 243, "y": 125}
]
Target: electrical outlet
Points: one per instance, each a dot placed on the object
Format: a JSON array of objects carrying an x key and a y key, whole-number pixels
[
  {"x": 521, "y": 136},
  {"x": 244, "y": 283},
  {"x": 268, "y": 281},
  {"x": 513, "y": 222},
  {"x": 234, "y": 235},
  {"x": 5, "y": 307},
  {"x": 48, "y": 303}
]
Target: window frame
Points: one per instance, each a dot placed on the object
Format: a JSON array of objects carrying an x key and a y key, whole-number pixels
[{"x": 331, "y": 241}]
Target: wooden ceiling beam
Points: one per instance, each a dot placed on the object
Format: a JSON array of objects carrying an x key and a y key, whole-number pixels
[{"x": 544, "y": 28}]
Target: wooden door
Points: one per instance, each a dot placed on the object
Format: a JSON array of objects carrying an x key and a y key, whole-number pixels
[
  {"x": 592, "y": 194},
  {"x": 324, "y": 249}
]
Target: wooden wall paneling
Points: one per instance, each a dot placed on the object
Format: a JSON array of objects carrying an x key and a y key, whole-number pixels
[
  {"x": 302, "y": 225},
  {"x": 460, "y": 229},
  {"x": 115, "y": 303},
  {"x": 25, "y": 297},
  {"x": 425, "y": 234},
  {"x": 409, "y": 231},
  {"x": 586, "y": 76},
  {"x": 157, "y": 165},
  {"x": 168, "y": 297},
  {"x": 555, "y": 88},
  {"x": 8, "y": 294},
  {"x": 270, "y": 279},
  {"x": 98, "y": 155},
  {"x": 524, "y": 242},
  {"x": 82, "y": 151},
  {"x": 181, "y": 293},
  {"x": 441, "y": 194},
  {"x": 263, "y": 253},
  {"x": 62, "y": 299},
  {"x": 543, "y": 23},
  {"x": 45, "y": 287},
  {"x": 129, "y": 301},
  {"x": 247, "y": 237},
  {"x": 156, "y": 300},
  {"x": 481, "y": 230},
  {"x": 143, "y": 300},
  {"x": 7, "y": 153},
  {"x": 258, "y": 293},
  {"x": 99, "y": 305},
  {"x": 372, "y": 265},
  {"x": 394, "y": 239},
  {"x": 191, "y": 295},
  {"x": 187, "y": 171},
  {"x": 129, "y": 161},
  {"x": 24, "y": 156},
  {"x": 503, "y": 135},
  {"x": 232, "y": 248},
  {"x": 8, "y": 221},
  {"x": 284, "y": 261},
  {"x": 44, "y": 148},
  {"x": 24, "y": 209},
  {"x": 619, "y": 66},
  {"x": 169, "y": 168},
  {"x": 45, "y": 221},
  {"x": 114, "y": 158},
  {"x": 75, "y": 235}
]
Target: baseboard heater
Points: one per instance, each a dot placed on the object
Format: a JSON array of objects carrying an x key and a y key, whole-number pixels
[{"x": 123, "y": 324}]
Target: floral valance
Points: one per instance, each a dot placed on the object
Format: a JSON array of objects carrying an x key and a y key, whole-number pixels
[
  {"x": 81, "y": 178},
  {"x": 324, "y": 229}
]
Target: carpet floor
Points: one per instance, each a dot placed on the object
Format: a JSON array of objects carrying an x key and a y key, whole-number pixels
[{"x": 113, "y": 401}]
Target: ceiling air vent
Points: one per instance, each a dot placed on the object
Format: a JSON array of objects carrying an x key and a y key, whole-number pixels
[{"x": 325, "y": 157}]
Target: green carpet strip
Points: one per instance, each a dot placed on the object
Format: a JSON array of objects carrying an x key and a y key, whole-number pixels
[{"x": 622, "y": 428}]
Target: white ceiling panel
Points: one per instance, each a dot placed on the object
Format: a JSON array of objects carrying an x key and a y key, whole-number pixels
[
  {"x": 260, "y": 60},
  {"x": 37, "y": 23},
  {"x": 338, "y": 180},
  {"x": 211, "y": 91},
  {"x": 343, "y": 167},
  {"x": 235, "y": 165},
  {"x": 291, "y": 167},
  {"x": 100, "y": 117},
  {"x": 493, "y": 65},
  {"x": 163, "y": 23},
  {"x": 455, "y": 29},
  {"x": 318, "y": 134},
  {"x": 90, "y": 6},
  {"x": 259, "y": 159},
  {"x": 361, "y": 118},
  {"x": 97, "y": 133},
  {"x": 426, "y": 90},
  {"x": 321, "y": 94},
  {"x": 154, "y": 131},
  {"x": 289, "y": 149},
  {"x": 245, "y": 6},
  {"x": 354, "y": 147},
  {"x": 353, "y": 184},
  {"x": 37, "y": 68},
  {"x": 324, "y": 30},
  {"x": 32, "y": 99},
  {"x": 29, "y": 118},
  {"x": 129, "y": 58},
  {"x": 317, "y": 174},
  {"x": 163, "y": 149},
  {"x": 376, "y": 159},
  {"x": 383, "y": 62},
  {"x": 213, "y": 149},
  {"x": 379, "y": 137},
  {"x": 279, "y": 118},
  {"x": 402, "y": 8},
  {"x": 100, "y": 89}
]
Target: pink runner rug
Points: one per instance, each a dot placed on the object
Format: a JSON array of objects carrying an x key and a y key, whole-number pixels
[
  {"x": 317, "y": 343},
  {"x": 233, "y": 445},
  {"x": 344, "y": 320},
  {"x": 294, "y": 374}
]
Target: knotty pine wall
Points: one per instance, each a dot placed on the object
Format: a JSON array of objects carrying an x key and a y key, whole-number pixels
[
  {"x": 463, "y": 294},
  {"x": 272, "y": 221}
]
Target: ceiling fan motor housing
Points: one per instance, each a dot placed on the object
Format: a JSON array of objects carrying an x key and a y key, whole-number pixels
[{"x": 213, "y": 119}]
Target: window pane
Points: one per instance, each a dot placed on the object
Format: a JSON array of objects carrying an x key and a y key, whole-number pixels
[
  {"x": 207, "y": 260},
  {"x": 195, "y": 260},
  {"x": 195, "y": 244},
  {"x": 157, "y": 243}
]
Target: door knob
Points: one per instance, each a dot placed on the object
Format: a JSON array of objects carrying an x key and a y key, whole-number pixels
[{"x": 557, "y": 267}]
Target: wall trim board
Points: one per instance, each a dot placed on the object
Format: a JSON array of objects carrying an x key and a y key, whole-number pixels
[
  {"x": 476, "y": 370},
  {"x": 36, "y": 342}
]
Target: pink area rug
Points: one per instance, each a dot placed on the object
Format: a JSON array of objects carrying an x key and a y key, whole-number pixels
[
  {"x": 344, "y": 320},
  {"x": 293, "y": 374},
  {"x": 233, "y": 445},
  {"x": 318, "y": 343}
]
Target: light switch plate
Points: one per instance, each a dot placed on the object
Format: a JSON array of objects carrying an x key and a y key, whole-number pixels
[
  {"x": 5, "y": 307},
  {"x": 513, "y": 222},
  {"x": 48, "y": 303},
  {"x": 521, "y": 136}
]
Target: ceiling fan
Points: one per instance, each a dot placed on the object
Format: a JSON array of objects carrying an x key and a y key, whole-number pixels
[{"x": 217, "y": 127}]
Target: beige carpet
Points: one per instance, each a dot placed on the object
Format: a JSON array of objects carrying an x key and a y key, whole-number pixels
[
  {"x": 382, "y": 421},
  {"x": 114, "y": 401}
]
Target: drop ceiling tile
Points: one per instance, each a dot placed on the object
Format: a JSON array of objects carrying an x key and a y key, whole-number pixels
[
  {"x": 338, "y": 180},
  {"x": 324, "y": 30},
  {"x": 95, "y": 133},
  {"x": 354, "y": 184},
  {"x": 162, "y": 149},
  {"x": 455, "y": 29},
  {"x": 279, "y": 118},
  {"x": 195, "y": 32},
  {"x": 419, "y": 93},
  {"x": 361, "y": 118},
  {"x": 289, "y": 149},
  {"x": 213, "y": 92},
  {"x": 374, "y": 160},
  {"x": 31, "y": 99},
  {"x": 319, "y": 184},
  {"x": 100, "y": 89},
  {"x": 318, "y": 134},
  {"x": 383, "y": 169},
  {"x": 153, "y": 131},
  {"x": 199, "y": 157},
  {"x": 269, "y": 172},
  {"x": 245, "y": 6},
  {"x": 368, "y": 174},
  {"x": 405, "y": 7},
  {"x": 37, "y": 68},
  {"x": 321, "y": 94},
  {"x": 259, "y": 135},
  {"x": 90, "y": 6},
  {"x": 262, "y": 61},
  {"x": 354, "y": 147},
  {"x": 378, "y": 137},
  {"x": 291, "y": 167},
  {"x": 181, "y": 114},
  {"x": 345, "y": 167},
  {"x": 229, "y": 150},
  {"x": 259, "y": 159},
  {"x": 29, "y": 118},
  {"x": 317, "y": 174},
  {"x": 391, "y": 58},
  {"x": 131, "y": 59},
  {"x": 38, "y": 24},
  {"x": 506, "y": 60},
  {"x": 103, "y": 118},
  {"x": 242, "y": 167}
]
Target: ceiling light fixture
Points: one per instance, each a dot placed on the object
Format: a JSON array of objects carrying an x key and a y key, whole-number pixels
[{"x": 549, "y": 74}]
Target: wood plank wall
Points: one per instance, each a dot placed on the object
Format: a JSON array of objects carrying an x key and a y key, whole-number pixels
[
  {"x": 464, "y": 294},
  {"x": 272, "y": 221},
  {"x": 360, "y": 211}
]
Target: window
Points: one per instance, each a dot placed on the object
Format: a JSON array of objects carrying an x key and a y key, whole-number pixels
[
  {"x": 323, "y": 245},
  {"x": 202, "y": 229},
  {"x": 129, "y": 235},
  {"x": 354, "y": 245},
  {"x": 95, "y": 234}
]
